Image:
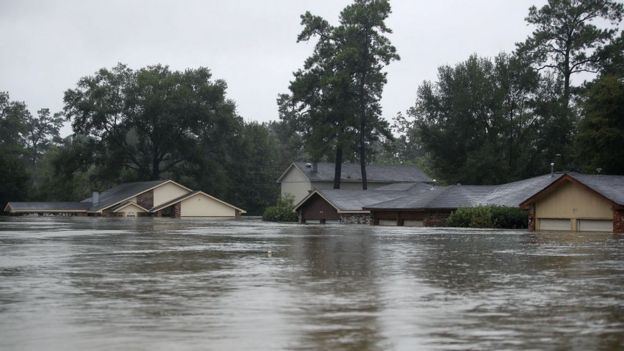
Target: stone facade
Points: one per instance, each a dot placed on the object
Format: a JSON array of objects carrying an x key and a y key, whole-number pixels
[
  {"x": 618, "y": 221},
  {"x": 532, "y": 218},
  {"x": 355, "y": 218}
]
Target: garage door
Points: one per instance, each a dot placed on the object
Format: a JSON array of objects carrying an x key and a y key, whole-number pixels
[
  {"x": 412, "y": 223},
  {"x": 595, "y": 225},
  {"x": 555, "y": 224},
  {"x": 388, "y": 222}
]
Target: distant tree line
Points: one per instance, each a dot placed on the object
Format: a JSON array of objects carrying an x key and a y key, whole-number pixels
[{"x": 483, "y": 121}]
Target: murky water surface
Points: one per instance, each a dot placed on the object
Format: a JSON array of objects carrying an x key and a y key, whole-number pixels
[{"x": 151, "y": 284}]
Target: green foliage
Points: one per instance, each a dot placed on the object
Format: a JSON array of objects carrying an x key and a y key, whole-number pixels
[
  {"x": 151, "y": 120},
  {"x": 600, "y": 140},
  {"x": 566, "y": 38},
  {"x": 13, "y": 173},
  {"x": 334, "y": 99},
  {"x": 482, "y": 121},
  {"x": 281, "y": 212},
  {"x": 488, "y": 217}
]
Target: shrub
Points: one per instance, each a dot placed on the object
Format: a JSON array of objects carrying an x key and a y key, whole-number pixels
[
  {"x": 509, "y": 217},
  {"x": 489, "y": 217},
  {"x": 281, "y": 212}
]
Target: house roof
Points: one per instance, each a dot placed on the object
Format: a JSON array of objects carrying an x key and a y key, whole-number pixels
[
  {"x": 456, "y": 196},
  {"x": 189, "y": 195},
  {"x": 356, "y": 200},
  {"x": 351, "y": 173},
  {"x": 122, "y": 192},
  {"x": 611, "y": 187},
  {"x": 117, "y": 197},
  {"x": 47, "y": 206}
]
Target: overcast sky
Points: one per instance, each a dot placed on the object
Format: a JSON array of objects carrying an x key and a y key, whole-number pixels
[{"x": 46, "y": 46}]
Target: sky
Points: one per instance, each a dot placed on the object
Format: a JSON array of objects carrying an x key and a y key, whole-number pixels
[{"x": 47, "y": 46}]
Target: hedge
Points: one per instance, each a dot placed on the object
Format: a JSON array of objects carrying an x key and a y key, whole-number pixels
[
  {"x": 281, "y": 212},
  {"x": 489, "y": 217}
]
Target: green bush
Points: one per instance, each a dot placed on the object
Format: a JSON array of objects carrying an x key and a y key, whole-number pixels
[
  {"x": 488, "y": 217},
  {"x": 281, "y": 212}
]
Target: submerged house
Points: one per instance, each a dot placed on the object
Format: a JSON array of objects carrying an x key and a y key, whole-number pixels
[
  {"x": 160, "y": 198},
  {"x": 568, "y": 201},
  {"x": 434, "y": 207},
  {"x": 301, "y": 178},
  {"x": 578, "y": 202}
]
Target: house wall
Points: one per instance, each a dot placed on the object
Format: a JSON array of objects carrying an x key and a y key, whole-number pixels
[
  {"x": 316, "y": 208},
  {"x": 203, "y": 206},
  {"x": 572, "y": 201},
  {"x": 429, "y": 218},
  {"x": 131, "y": 210},
  {"x": 296, "y": 184},
  {"x": 166, "y": 193}
]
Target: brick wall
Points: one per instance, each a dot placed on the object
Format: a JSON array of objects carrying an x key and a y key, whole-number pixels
[
  {"x": 146, "y": 200},
  {"x": 618, "y": 221},
  {"x": 177, "y": 210}
]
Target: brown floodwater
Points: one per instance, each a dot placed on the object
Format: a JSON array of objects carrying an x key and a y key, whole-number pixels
[{"x": 162, "y": 284}]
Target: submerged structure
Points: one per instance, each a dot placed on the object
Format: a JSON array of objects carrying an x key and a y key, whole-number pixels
[
  {"x": 563, "y": 201},
  {"x": 160, "y": 198},
  {"x": 301, "y": 178}
]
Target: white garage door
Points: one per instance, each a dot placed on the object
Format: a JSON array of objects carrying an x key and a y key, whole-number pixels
[
  {"x": 595, "y": 225},
  {"x": 555, "y": 224},
  {"x": 388, "y": 222},
  {"x": 412, "y": 223}
]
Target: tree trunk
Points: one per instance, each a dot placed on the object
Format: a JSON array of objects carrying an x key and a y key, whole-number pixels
[
  {"x": 338, "y": 167},
  {"x": 363, "y": 150},
  {"x": 155, "y": 169}
]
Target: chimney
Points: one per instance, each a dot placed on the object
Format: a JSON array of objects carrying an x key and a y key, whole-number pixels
[
  {"x": 314, "y": 167},
  {"x": 552, "y": 169},
  {"x": 95, "y": 198}
]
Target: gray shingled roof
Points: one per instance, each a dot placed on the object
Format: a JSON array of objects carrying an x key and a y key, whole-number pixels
[
  {"x": 513, "y": 194},
  {"x": 456, "y": 196},
  {"x": 609, "y": 186},
  {"x": 48, "y": 206},
  {"x": 355, "y": 200},
  {"x": 121, "y": 192},
  {"x": 374, "y": 173}
]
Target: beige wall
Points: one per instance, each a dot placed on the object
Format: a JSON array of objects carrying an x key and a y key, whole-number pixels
[
  {"x": 168, "y": 192},
  {"x": 203, "y": 206},
  {"x": 131, "y": 209},
  {"x": 574, "y": 202},
  {"x": 296, "y": 184}
]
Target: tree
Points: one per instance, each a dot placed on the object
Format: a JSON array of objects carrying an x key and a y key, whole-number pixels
[
  {"x": 566, "y": 39},
  {"x": 13, "y": 175},
  {"x": 367, "y": 50},
  {"x": 41, "y": 132},
  {"x": 148, "y": 120},
  {"x": 321, "y": 104},
  {"x": 480, "y": 122},
  {"x": 335, "y": 97},
  {"x": 600, "y": 141}
]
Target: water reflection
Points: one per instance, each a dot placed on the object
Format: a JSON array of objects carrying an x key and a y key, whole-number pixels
[{"x": 84, "y": 283}]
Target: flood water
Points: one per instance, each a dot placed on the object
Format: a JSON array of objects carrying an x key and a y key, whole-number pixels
[{"x": 162, "y": 284}]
